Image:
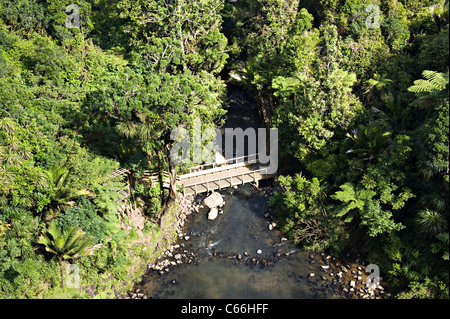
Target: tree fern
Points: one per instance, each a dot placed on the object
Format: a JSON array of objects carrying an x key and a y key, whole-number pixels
[
  {"x": 433, "y": 81},
  {"x": 352, "y": 199},
  {"x": 430, "y": 90},
  {"x": 107, "y": 196},
  {"x": 369, "y": 141},
  {"x": 66, "y": 245}
]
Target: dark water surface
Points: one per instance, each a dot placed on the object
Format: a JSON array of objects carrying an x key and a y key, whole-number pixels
[{"x": 237, "y": 256}]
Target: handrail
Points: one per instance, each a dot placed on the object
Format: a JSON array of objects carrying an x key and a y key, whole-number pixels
[
  {"x": 224, "y": 163},
  {"x": 261, "y": 171},
  {"x": 213, "y": 170},
  {"x": 118, "y": 172}
]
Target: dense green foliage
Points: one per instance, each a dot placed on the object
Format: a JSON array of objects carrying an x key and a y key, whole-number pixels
[
  {"x": 358, "y": 90},
  {"x": 362, "y": 109},
  {"x": 79, "y": 102}
]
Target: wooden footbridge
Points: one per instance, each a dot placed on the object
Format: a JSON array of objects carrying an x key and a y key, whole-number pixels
[
  {"x": 227, "y": 173},
  {"x": 206, "y": 177}
]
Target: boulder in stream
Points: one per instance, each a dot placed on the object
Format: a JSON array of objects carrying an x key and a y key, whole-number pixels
[
  {"x": 213, "y": 200},
  {"x": 213, "y": 212}
]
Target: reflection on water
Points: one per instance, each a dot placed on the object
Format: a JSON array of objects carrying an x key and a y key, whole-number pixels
[
  {"x": 237, "y": 255},
  {"x": 242, "y": 230}
]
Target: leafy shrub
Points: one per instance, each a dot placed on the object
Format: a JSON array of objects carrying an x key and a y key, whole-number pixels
[{"x": 85, "y": 217}]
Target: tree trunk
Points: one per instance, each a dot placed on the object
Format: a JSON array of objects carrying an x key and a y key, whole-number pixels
[
  {"x": 61, "y": 268},
  {"x": 264, "y": 109},
  {"x": 173, "y": 177},
  {"x": 161, "y": 178}
]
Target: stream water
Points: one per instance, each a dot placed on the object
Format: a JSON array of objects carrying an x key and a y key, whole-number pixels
[{"x": 237, "y": 256}]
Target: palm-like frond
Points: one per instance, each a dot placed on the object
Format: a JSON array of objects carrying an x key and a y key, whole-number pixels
[
  {"x": 144, "y": 131},
  {"x": 69, "y": 244},
  {"x": 127, "y": 129},
  {"x": 430, "y": 222},
  {"x": 64, "y": 245},
  {"x": 369, "y": 141},
  {"x": 57, "y": 183},
  {"x": 395, "y": 104},
  {"x": 434, "y": 201}
]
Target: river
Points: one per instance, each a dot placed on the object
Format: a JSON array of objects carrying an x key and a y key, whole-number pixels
[{"x": 237, "y": 255}]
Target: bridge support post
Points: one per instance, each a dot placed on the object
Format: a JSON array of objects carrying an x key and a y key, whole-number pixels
[{"x": 255, "y": 180}]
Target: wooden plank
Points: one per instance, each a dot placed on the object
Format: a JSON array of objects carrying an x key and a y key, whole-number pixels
[
  {"x": 218, "y": 175},
  {"x": 221, "y": 177},
  {"x": 212, "y": 170}
]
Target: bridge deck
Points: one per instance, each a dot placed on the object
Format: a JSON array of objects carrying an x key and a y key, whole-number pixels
[
  {"x": 206, "y": 177},
  {"x": 219, "y": 178}
]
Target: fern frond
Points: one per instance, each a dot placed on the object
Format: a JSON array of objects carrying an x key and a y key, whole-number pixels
[
  {"x": 435, "y": 81},
  {"x": 439, "y": 80}
]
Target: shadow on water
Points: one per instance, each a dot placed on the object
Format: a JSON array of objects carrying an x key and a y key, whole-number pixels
[{"x": 237, "y": 256}]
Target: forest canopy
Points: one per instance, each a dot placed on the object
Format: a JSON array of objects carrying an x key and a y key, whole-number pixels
[{"x": 358, "y": 89}]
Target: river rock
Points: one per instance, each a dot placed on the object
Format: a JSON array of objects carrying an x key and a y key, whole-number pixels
[
  {"x": 213, "y": 212},
  {"x": 213, "y": 200}
]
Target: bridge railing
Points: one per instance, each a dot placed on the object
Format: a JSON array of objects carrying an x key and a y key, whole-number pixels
[
  {"x": 229, "y": 180},
  {"x": 235, "y": 160}
]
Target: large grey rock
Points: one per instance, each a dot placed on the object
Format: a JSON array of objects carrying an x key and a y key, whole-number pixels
[{"x": 213, "y": 200}]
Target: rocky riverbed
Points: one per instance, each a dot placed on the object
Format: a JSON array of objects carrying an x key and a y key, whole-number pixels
[{"x": 345, "y": 279}]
